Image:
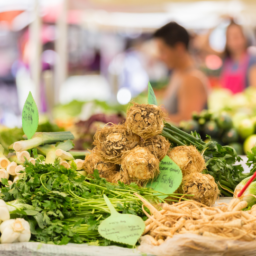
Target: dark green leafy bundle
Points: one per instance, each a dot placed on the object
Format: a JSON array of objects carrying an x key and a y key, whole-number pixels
[
  {"x": 63, "y": 206},
  {"x": 220, "y": 160}
]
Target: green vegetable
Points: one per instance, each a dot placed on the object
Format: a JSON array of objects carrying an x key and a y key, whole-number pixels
[
  {"x": 224, "y": 121},
  {"x": 40, "y": 139},
  {"x": 238, "y": 148},
  {"x": 79, "y": 154},
  {"x": 230, "y": 136},
  {"x": 211, "y": 129},
  {"x": 50, "y": 150},
  {"x": 237, "y": 118},
  {"x": 246, "y": 128},
  {"x": 195, "y": 116},
  {"x": 249, "y": 143},
  {"x": 64, "y": 154},
  {"x": 220, "y": 160},
  {"x": 206, "y": 114},
  {"x": 63, "y": 206},
  {"x": 74, "y": 108},
  {"x": 201, "y": 121},
  {"x": 189, "y": 126},
  {"x": 249, "y": 194},
  {"x": 9, "y": 136}
]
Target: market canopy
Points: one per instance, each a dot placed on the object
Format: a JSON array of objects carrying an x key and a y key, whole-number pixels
[
  {"x": 116, "y": 4},
  {"x": 135, "y": 14}
]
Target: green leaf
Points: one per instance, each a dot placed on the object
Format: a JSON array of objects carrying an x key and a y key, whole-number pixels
[
  {"x": 4, "y": 182},
  {"x": 34, "y": 151},
  {"x": 31, "y": 212},
  {"x": 40, "y": 220},
  {"x": 59, "y": 193},
  {"x": 32, "y": 224},
  {"x": 96, "y": 175},
  {"x": 64, "y": 240}
]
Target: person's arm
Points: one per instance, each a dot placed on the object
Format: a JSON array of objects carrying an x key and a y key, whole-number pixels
[
  {"x": 191, "y": 97},
  {"x": 252, "y": 76}
]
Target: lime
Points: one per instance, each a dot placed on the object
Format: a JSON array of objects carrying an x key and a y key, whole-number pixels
[
  {"x": 249, "y": 143},
  {"x": 246, "y": 128},
  {"x": 237, "y": 118}
]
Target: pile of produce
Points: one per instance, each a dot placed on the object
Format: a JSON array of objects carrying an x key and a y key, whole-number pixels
[
  {"x": 223, "y": 99},
  {"x": 127, "y": 153},
  {"x": 230, "y": 120},
  {"x": 220, "y": 160},
  {"x": 62, "y": 206},
  {"x": 45, "y": 190},
  {"x": 236, "y": 131},
  {"x": 12, "y": 165},
  {"x": 130, "y": 152},
  {"x": 194, "y": 182},
  {"x": 53, "y": 194}
]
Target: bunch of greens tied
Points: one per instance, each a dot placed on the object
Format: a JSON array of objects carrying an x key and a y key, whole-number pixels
[
  {"x": 63, "y": 206},
  {"x": 221, "y": 161}
]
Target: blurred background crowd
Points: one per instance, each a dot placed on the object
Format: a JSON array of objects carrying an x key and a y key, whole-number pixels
[{"x": 85, "y": 60}]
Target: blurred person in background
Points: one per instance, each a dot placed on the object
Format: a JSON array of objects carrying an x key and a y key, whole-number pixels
[
  {"x": 188, "y": 88},
  {"x": 239, "y": 68}
]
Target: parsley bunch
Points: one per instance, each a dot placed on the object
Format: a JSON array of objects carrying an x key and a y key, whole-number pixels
[{"x": 63, "y": 206}]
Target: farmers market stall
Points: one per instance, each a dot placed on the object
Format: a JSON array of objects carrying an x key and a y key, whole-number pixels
[{"x": 145, "y": 187}]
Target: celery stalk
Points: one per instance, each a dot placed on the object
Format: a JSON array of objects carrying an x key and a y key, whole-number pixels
[{"x": 41, "y": 138}]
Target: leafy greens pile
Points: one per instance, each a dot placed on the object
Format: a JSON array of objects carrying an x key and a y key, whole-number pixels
[
  {"x": 220, "y": 160},
  {"x": 63, "y": 206}
]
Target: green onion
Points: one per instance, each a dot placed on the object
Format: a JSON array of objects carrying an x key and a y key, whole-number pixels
[
  {"x": 50, "y": 150},
  {"x": 64, "y": 155},
  {"x": 79, "y": 154},
  {"x": 41, "y": 138}
]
